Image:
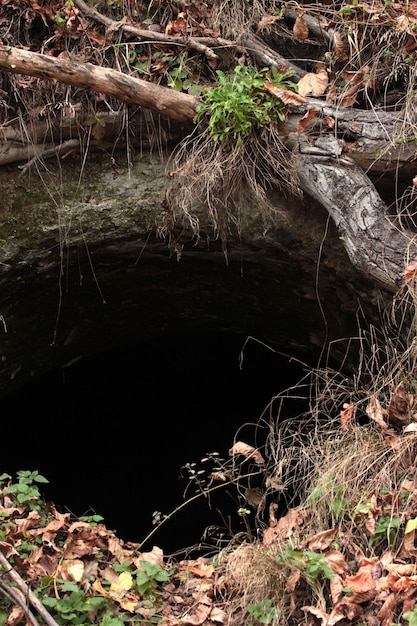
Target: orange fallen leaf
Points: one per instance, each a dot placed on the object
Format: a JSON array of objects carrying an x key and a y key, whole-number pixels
[{"x": 361, "y": 581}]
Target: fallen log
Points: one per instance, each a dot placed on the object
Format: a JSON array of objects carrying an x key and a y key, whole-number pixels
[{"x": 173, "y": 104}]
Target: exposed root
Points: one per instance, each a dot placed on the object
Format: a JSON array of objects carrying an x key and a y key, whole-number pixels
[{"x": 225, "y": 180}]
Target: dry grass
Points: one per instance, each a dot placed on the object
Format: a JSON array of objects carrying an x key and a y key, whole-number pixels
[{"x": 349, "y": 488}]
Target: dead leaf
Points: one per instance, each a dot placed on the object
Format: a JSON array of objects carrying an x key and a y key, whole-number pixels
[
  {"x": 266, "y": 20},
  {"x": 376, "y": 413},
  {"x": 387, "y": 611},
  {"x": 292, "y": 581},
  {"x": 348, "y": 97},
  {"x": 400, "y": 405},
  {"x": 31, "y": 521},
  {"x": 402, "y": 569},
  {"x": 340, "y": 54},
  {"x": 202, "y": 568},
  {"x": 320, "y": 541},
  {"x": 362, "y": 581},
  {"x": 218, "y": 615},
  {"x": 314, "y": 84},
  {"x": 373, "y": 515},
  {"x": 155, "y": 556},
  {"x": 344, "y": 610},
  {"x": 403, "y": 24},
  {"x": 198, "y": 617},
  {"x": 336, "y": 588},
  {"x": 346, "y": 415},
  {"x": 16, "y": 616},
  {"x": 319, "y": 613},
  {"x": 285, "y": 95},
  {"x": 300, "y": 28},
  {"x": 248, "y": 451},
  {"x": 411, "y": 269},
  {"x": 336, "y": 561},
  {"x": 286, "y": 524},
  {"x": 71, "y": 569},
  {"x": 306, "y": 119}
]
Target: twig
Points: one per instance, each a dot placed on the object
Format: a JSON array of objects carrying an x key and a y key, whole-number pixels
[
  {"x": 13, "y": 596},
  {"x": 192, "y": 499},
  {"x": 33, "y": 600},
  {"x": 141, "y": 33}
]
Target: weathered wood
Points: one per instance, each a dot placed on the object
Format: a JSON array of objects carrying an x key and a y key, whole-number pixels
[
  {"x": 374, "y": 245},
  {"x": 176, "y": 105}
]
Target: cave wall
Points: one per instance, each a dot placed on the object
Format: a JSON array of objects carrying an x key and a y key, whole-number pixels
[
  {"x": 120, "y": 360},
  {"x": 82, "y": 269}
]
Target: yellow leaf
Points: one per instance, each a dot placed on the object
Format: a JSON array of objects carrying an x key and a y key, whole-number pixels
[
  {"x": 76, "y": 570},
  {"x": 124, "y": 583}
]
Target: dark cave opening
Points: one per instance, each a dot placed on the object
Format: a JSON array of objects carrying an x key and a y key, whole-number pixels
[{"x": 111, "y": 432}]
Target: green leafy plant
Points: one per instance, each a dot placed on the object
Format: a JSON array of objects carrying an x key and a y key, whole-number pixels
[
  {"x": 78, "y": 607},
  {"x": 411, "y": 617},
  {"x": 312, "y": 564},
  {"x": 148, "y": 576},
  {"x": 386, "y": 529},
  {"x": 331, "y": 493},
  {"x": 23, "y": 491},
  {"x": 93, "y": 520},
  {"x": 240, "y": 103},
  {"x": 263, "y": 612}
]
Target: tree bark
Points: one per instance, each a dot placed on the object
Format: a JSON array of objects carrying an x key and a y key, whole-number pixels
[{"x": 374, "y": 245}]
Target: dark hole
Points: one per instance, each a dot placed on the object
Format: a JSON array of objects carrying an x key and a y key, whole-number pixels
[{"x": 112, "y": 431}]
